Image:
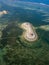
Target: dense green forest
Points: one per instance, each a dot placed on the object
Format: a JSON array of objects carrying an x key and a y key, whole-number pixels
[{"x": 15, "y": 51}]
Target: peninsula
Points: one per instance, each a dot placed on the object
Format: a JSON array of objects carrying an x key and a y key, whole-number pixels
[{"x": 29, "y": 32}]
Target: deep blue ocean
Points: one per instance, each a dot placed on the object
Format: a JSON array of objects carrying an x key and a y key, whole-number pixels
[{"x": 38, "y": 1}]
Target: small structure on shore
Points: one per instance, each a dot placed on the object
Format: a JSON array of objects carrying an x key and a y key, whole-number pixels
[{"x": 29, "y": 34}]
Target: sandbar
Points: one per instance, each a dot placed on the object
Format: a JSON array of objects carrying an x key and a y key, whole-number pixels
[{"x": 29, "y": 32}]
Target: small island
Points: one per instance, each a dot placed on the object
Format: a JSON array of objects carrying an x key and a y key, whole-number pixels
[
  {"x": 29, "y": 32},
  {"x": 3, "y": 12}
]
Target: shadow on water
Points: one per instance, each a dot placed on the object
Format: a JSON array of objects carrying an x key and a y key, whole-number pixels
[
  {"x": 4, "y": 38},
  {"x": 10, "y": 34}
]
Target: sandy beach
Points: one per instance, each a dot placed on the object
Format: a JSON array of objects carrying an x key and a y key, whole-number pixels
[
  {"x": 29, "y": 34},
  {"x": 3, "y": 12}
]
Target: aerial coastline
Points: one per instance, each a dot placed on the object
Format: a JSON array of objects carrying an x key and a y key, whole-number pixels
[{"x": 29, "y": 32}]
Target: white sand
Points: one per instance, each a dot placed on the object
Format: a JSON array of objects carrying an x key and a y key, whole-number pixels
[
  {"x": 29, "y": 33},
  {"x": 3, "y": 12}
]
